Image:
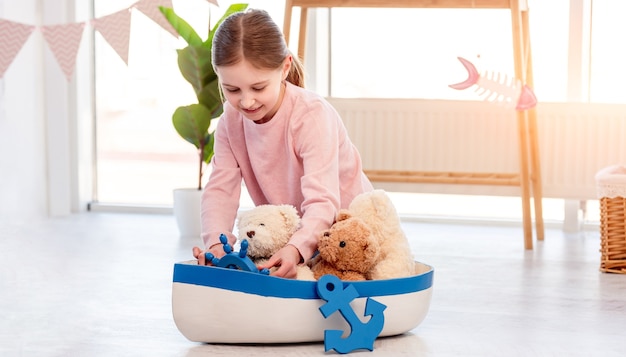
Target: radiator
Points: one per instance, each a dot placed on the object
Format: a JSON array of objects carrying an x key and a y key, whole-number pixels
[{"x": 575, "y": 141}]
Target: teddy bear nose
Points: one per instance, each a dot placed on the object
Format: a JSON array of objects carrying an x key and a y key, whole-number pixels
[{"x": 250, "y": 234}]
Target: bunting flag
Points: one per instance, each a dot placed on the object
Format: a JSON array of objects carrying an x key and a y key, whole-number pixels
[
  {"x": 115, "y": 29},
  {"x": 13, "y": 35},
  {"x": 150, "y": 8},
  {"x": 64, "y": 40}
]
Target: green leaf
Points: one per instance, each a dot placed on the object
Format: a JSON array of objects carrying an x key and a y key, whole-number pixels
[
  {"x": 231, "y": 10},
  {"x": 181, "y": 26},
  {"x": 208, "y": 148},
  {"x": 192, "y": 123},
  {"x": 210, "y": 97},
  {"x": 195, "y": 65}
]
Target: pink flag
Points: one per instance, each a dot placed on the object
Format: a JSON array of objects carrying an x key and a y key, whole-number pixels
[
  {"x": 150, "y": 8},
  {"x": 64, "y": 40},
  {"x": 115, "y": 29},
  {"x": 213, "y": 2},
  {"x": 13, "y": 35}
]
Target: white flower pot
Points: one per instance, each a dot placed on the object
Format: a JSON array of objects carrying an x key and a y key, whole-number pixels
[{"x": 187, "y": 211}]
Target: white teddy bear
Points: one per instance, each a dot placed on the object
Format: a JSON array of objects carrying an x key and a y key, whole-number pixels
[{"x": 267, "y": 228}]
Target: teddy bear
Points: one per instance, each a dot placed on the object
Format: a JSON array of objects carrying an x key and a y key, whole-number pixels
[
  {"x": 267, "y": 228},
  {"x": 395, "y": 260},
  {"x": 347, "y": 250}
]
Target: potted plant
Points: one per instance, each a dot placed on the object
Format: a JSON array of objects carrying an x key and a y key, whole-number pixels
[{"x": 192, "y": 121}]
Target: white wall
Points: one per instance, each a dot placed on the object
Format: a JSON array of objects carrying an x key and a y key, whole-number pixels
[
  {"x": 37, "y": 121},
  {"x": 22, "y": 127}
]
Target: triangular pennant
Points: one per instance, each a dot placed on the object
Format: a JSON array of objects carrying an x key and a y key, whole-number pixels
[
  {"x": 150, "y": 8},
  {"x": 13, "y": 35},
  {"x": 213, "y": 2},
  {"x": 115, "y": 29},
  {"x": 64, "y": 40}
]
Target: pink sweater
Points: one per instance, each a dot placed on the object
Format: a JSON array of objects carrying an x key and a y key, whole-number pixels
[{"x": 302, "y": 157}]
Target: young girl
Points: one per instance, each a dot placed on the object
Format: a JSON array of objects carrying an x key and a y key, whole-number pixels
[{"x": 287, "y": 144}]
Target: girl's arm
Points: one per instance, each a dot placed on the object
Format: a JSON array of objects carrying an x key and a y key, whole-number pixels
[
  {"x": 318, "y": 141},
  {"x": 220, "y": 198}
]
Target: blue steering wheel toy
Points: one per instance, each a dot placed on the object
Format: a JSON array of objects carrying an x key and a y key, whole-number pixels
[{"x": 235, "y": 260}]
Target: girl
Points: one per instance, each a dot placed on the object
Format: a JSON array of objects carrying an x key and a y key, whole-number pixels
[{"x": 287, "y": 143}]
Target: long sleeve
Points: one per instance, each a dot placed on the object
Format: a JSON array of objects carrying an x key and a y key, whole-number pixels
[{"x": 220, "y": 198}]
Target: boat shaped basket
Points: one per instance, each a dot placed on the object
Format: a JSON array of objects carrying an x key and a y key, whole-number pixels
[{"x": 219, "y": 305}]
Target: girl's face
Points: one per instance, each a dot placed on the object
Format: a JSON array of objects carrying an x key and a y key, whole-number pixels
[{"x": 256, "y": 93}]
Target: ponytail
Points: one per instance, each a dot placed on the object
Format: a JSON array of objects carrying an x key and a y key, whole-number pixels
[{"x": 296, "y": 72}]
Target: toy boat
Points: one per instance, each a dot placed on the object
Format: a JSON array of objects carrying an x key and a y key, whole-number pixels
[{"x": 220, "y": 305}]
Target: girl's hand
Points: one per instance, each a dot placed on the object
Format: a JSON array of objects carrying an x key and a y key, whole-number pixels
[
  {"x": 216, "y": 249},
  {"x": 287, "y": 260}
]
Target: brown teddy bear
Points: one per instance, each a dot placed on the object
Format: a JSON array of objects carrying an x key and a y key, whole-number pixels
[
  {"x": 267, "y": 228},
  {"x": 347, "y": 250}
]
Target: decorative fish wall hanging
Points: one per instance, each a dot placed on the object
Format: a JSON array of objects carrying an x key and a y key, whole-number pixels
[{"x": 498, "y": 88}]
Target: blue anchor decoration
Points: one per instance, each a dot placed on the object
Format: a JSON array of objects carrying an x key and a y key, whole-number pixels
[
  {"x": 234, "y": 260},
  {"x": 362, "y": 335}
]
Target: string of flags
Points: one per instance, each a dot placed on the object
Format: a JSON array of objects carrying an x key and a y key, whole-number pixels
[{"x": 64, "y": 40}]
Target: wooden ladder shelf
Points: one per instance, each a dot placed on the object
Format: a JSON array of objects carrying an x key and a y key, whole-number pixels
[{"x": 529, "y": 176}]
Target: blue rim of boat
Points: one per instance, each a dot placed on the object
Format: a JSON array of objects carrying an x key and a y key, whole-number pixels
[{"x": 265, "y": 285}]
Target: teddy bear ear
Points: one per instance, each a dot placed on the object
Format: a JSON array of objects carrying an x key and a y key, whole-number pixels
[
  {"x": 343, "y": 215},
  {"x": 290, "y": 216}
]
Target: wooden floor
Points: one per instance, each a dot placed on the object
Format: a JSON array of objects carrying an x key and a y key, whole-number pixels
[{"x": 99, "y": 284}]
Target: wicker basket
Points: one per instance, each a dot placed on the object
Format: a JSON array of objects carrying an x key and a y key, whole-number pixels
[
  {"x": 611, "y": 191},
  {"x": 613, "y": 235}
]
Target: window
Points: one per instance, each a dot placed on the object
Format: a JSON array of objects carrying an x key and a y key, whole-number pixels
[
  {"x": 395, "y": 53},
  {"x": 412, "y": 53},
  {"x": 606, "y": 72},
  {"x": 140, "y": 157}
]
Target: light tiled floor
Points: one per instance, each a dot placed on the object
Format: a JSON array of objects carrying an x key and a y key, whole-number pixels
[{"x": 99, "y": 284}]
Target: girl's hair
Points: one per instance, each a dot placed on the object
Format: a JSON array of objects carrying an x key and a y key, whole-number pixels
[{"x": 253, "y": 35}]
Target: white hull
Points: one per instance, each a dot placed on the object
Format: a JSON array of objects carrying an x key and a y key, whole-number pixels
[{"x": 205, "y": 311}]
